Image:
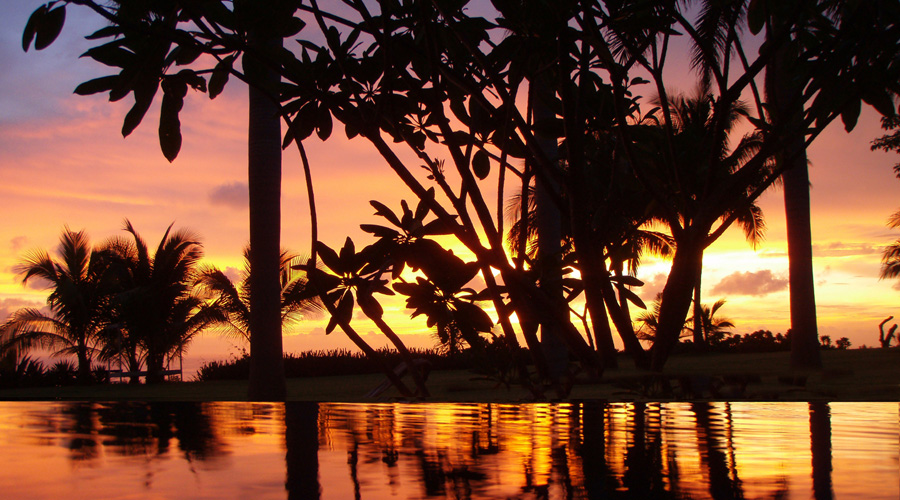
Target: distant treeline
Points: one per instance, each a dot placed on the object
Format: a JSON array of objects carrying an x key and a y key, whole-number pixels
[{"x": 323, "y": 363}]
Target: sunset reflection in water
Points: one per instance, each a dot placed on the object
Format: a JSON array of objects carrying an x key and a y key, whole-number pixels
[{"x": 495, "y": 451}]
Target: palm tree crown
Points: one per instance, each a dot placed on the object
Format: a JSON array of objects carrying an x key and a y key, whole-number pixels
[
  {"x": 234, "y": 299},
  {"x": 79, "y": 302},
  {"x": 159, "y": 308}
]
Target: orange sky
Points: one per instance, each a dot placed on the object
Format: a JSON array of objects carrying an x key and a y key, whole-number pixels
[{"x": 64, "y": 162}]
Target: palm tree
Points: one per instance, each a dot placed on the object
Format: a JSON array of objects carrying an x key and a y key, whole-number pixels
[
  {"x": 693, "y": 161},
  {"x": 842, "y": 52},
  {"x": 158, "y": 308},
  {"x": 649, "y": 321},
  {"x": 267, "y": 378},
  {"x": 783, "y": 85},
  {"x": 713, "y": 328},
  {"x": 234, "y": 300},
  {"x": 693, "y": 116},
  {"x": 890, "y": 260},
  {"x": 80, "y": 302},
  {"x": 618, "y": 239}
]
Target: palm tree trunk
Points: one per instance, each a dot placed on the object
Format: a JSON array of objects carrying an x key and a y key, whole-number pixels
[
  {"x": 134, "y": 366},
  {"x": 804, "y": 328},
  {"x": 267, "y": 379},
  {"x": 786, "y": 113},
  {"x": 699, "y": 337},
  {"x": 549, "y": 230},
  {"x": 155, "y": 368},
  {"x": 676, "y": 298},
  {"x": 84, "y": 365}
]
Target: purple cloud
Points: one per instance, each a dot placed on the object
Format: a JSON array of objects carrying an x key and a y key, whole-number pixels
[
  {"x": 18, "y": 243},
  {"x": 233, "y": 195},
  {"x": 10, "y": 305},
  {"x": 750, "y": 283}
]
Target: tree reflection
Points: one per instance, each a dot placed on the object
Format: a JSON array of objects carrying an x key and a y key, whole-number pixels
[
  {"x": 584, "y": 451},
  {"x": 597, "y": 483},
  {"x": 820, "y": 444},
  {"x": 723, "y": 481},
  {"x": 137, "y": 429},
  {"x": 301, "y": 438},
  {"x": 644, "y": 477},
  {"x": 81, "y": 426}
]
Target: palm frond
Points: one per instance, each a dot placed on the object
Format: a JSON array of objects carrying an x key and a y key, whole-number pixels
[
  {"x": 752, "y": 222},
  {"x": 894, "y": 220},
  {"x": 711, "y": 46},
  {"x": 890, "y": 261},
  {"x": 29, "y": 328}
]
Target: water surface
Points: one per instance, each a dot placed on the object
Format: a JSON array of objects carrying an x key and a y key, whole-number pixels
[{"x": 592, "y": 450}]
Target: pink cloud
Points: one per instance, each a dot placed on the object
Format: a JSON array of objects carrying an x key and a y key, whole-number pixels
[
  {"x": 652, "y": 287},
  {"x": 17, "y": 243},
  {"x": 757, "y": 283},
  {"x": 233, "y": 195},
  {"x": 10, "y": 305}
]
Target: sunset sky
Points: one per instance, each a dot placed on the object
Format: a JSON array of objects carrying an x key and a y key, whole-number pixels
[{"x": 64, "y": 162}]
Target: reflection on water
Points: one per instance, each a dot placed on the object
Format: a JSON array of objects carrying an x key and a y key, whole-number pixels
[{"x": 314, "y": 451}]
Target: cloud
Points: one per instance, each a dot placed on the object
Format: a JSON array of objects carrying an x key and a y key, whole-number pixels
[
  {"x": 11, "y": 305},
  {"x": 840, "y": 249},
  {"x": 233, "y": 195},
  {"x": 757, "y": 283},
  {"x": 652, "y": 287},
  {"x": 232, "y": 273},
  {"x": 38, "y": 283},
  {"x": 18, "y": 243}
]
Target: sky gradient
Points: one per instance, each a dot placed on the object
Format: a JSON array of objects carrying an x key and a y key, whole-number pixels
[{"x": 64, "y": 162}]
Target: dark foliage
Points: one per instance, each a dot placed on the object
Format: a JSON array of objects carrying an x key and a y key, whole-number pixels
[
  {"x": 488, "y": 361},
  {"x": 758, "y": 341},
  {"x": 30, "y": 372}
]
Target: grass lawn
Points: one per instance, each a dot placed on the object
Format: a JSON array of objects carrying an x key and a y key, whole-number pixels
[{"x": 851, "y": 375}]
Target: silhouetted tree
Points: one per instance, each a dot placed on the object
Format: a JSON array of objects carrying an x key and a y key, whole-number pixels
[
  {"x": 79, "y": 302},
  {"x": 158, "y": 307},
  {"x": 234, "y": 298}
]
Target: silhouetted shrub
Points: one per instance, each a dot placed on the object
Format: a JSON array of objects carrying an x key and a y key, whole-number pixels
[
  {"x": 758, "y": 341},
  {"x": 344, "y": 362},
  {"x": 30, "y": 372}
]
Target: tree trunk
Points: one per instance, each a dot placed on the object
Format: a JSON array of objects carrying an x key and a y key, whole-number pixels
[
  {"x": 624, "y": 326},
  {"x": 783, "y": 96},
  {"x": 804, "y": 328},
  {"x": 267, "y": 379},
  {"x": 84, "y": 366},
  {"x": 676, "y": 299},
  {"x": 134, "y": 366},
  {"x": 418, "y": 373},
  {"x": 549, "y": 230},
  {"x": 699, "y": 337},
  {"x": 592, "y": 275},
  {"x": 155, "y": 363}
]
